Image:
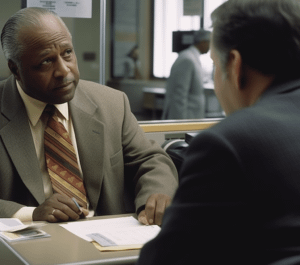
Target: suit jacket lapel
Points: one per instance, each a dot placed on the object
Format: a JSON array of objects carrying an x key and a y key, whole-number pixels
[
  {"x": 89, "y": 134},
  {"x": 17, "y": 138}
]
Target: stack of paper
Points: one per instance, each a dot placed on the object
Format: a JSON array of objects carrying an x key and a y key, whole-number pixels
[
  {"x": 12, "y": 229},
  {"x": 115, "y": 233}
]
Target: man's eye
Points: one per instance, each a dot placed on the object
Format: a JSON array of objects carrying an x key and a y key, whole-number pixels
[
  {"x": 45, "y": 62},
  {"x": 68, "y": 52}
]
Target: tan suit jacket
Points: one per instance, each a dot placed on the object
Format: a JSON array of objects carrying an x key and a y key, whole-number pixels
[{"x": 118, "y": 162}]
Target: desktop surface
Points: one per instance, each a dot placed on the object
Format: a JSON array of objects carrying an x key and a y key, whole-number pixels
[{"x": 62, "y": 247}]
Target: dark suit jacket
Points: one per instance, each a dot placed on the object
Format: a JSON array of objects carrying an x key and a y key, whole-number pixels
[
  {"x": 238, "y": 200},
  {"x": 110, "y": 143}
]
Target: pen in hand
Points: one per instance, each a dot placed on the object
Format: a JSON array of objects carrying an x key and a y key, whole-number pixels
[{"x": 74, "y": 200}]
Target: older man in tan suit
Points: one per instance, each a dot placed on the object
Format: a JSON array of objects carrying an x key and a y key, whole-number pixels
[{"x": 114, "y": 158}]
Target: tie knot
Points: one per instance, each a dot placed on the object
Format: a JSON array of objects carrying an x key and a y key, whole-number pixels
[{"x": 50, "y": 110}]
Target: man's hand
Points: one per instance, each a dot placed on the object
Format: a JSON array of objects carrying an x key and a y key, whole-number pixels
[
  {"x": 154, "y": 209},
  {"x": 58, "y": 208}
]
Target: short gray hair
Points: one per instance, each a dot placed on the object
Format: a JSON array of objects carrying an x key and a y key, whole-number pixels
[
  {"x": 201, "y": 35},
  {"x": 12, "y": 48}
]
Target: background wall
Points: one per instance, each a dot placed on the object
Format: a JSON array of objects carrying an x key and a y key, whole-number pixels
[
  {"x": 86, "y": 41},
  {"x": 6, "y": 10},
  {"x": 145, "y": 37}
]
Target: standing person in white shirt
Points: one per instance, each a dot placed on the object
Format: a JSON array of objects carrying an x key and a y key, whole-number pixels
[{"x": 185, "y": 97}]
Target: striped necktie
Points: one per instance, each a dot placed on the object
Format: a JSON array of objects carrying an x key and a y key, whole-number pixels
[{"x": 61, "y": 159}]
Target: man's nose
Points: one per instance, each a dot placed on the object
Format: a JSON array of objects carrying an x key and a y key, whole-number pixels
[{"x": 62, "y": 68}]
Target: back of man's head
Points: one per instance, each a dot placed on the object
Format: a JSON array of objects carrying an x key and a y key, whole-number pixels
[
  {"x": 27, "y": 17},
  {"x": 265, "y": 32}
]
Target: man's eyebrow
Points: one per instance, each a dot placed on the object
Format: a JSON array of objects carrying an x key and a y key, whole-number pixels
[
  {"x": 44, "y": 53},
  {"x": 66, "y": 45},
  {"x": 48, "y": 51}
]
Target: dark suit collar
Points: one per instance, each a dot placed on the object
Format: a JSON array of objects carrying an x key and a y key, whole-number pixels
[{"x": 282, "y": 88}]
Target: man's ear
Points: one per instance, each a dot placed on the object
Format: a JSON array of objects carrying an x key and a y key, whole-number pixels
[
  {"x": 14, "y": 69},
  {"x": 235, "y": 69}
]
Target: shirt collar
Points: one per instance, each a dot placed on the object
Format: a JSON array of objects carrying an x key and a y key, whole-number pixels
[
  {"x": 193, "y": 47},
  {"x": 36, "y": 107}
]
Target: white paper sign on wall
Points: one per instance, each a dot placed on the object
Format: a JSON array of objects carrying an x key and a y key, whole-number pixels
[
  {"x": 65, "y": 8},
  {"x": 192, "y": 8}
]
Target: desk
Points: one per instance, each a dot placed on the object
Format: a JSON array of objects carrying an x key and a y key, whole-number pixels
[
  {"x": 62, "y": 247},
  {"x": 154, "y": 100}
]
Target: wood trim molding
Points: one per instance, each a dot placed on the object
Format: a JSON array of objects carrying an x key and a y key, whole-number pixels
[{"x": 186, "y": 126}]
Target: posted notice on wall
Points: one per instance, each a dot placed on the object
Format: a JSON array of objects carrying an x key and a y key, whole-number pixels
[
  {"x": 192, "y": 8},
  {"x": 65, "y": 8}
]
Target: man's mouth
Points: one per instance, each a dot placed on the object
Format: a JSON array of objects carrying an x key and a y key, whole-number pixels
[{"x": 61, "y": 86}]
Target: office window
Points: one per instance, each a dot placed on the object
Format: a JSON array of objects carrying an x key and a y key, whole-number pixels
[
  {"x": 209, "y": 7},
  {"x": 168, "y": 17}
]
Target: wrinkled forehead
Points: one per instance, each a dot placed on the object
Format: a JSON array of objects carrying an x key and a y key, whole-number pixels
[
  {"x": 42, "y": 21},
  {"x": 50, "y": 30}
]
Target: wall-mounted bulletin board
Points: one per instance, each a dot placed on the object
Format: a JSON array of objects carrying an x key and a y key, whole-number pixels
[{"x": 124, "y": 37}]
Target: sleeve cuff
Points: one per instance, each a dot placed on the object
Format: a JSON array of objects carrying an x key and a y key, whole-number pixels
[{"x": 24, "y": 214}]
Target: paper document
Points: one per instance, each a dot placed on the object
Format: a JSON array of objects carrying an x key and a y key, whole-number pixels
[
  {"x": 114, "y": 232},
  {"x": 12, "y": 229},
  {"x": 24, "y": 235},
  {"x": 14, "y": 224}
]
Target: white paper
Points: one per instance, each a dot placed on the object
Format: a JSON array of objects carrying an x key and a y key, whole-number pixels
[
  {"x": 122, "y": 231},
  {"x": 65, "y": 8},
  {"x": 14, "y": 224}
]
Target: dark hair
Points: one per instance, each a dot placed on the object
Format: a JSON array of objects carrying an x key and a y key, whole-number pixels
[
  {"x": 12, "y": 48},
  {"x": 265, "y": 32}
]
